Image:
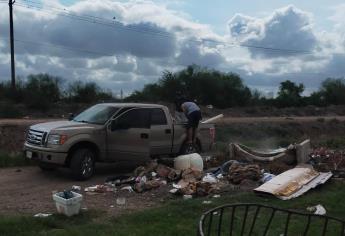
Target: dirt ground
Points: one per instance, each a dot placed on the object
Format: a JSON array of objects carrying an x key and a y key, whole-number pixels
[{"x": 28, "y": 190}]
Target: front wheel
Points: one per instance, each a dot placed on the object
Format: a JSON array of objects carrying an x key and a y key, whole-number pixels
[{"x": 83, "y": 164}]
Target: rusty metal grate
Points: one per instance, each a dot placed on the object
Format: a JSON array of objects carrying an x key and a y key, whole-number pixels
[{"x": 257, "y": 219}]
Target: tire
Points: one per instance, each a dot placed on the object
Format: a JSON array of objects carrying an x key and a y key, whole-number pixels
[
  {"x": 46, "y": 167},
  {"x": 83, "y": 164}
]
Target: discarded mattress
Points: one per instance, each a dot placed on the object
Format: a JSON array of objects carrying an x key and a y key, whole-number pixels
[
  {"x": 293, "y": 183},
  {"x": 290, "y": 155}
]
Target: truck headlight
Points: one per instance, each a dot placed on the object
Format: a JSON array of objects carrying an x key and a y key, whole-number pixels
[{"x": 57, "y": 139}]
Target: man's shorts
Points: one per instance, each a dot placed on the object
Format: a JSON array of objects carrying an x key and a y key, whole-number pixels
[{"x": 193, "y": 119}]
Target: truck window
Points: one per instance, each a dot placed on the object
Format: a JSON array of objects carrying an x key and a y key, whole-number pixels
[
  {"x": 137, "y": 118},
  {"x": 158, "y": 117}
]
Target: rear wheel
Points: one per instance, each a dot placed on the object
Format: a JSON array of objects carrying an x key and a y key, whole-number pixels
[{"x": 83, "y": 163}]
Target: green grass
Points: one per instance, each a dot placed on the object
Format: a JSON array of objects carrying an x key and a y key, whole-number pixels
[
  {"x": 12, "y": 160},
  {"x": 177, "y": 217}
]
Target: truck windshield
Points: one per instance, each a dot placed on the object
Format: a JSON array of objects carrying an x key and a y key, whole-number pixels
[{"x": 97, "y": 114}]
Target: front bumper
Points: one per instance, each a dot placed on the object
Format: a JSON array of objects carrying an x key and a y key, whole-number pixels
[{"x": 46, "y": 156}]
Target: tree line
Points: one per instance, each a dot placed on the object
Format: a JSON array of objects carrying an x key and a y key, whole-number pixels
[
  {"x": 204, "y": 85},
  {"x": 42, "y": 91},
  {"x": 224, "y": 90}
]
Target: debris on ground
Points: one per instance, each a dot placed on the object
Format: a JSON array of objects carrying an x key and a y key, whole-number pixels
[
  {"x": 293, "y": 183},
  {"x": 68, "y": 202},
  {"x": 42, "y": 215},
  {"x": 266, "y": 177},
  {"x": 189, "y": 161},
  {"x": 317, "y": 210},
  {"x": 100, "y": 188},
  {"x": 121, "y": 201},
  {"x": 271, "y": 172},
  {"x": 324, "y": 159},
  {"x": 76, "y": 188},
  {"x": 240, "y": 172},
  {"x": 291, "y": 155}
]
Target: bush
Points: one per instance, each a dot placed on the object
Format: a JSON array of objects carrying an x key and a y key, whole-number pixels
[
  {"x": 9, "y": 110},
  {"x": 90, "y": 92}
]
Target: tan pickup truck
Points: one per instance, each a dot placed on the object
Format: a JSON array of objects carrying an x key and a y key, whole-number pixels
[{"x": 110, "y": 132}]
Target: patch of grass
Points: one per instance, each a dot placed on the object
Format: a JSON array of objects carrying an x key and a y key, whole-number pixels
[
  {"x": 178, "y": 217},
  {"x": 336, "y": 142},
  {"x": 12, "y": 160}
]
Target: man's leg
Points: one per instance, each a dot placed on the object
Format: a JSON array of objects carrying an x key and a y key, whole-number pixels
[{"x": 190, "y": 135}]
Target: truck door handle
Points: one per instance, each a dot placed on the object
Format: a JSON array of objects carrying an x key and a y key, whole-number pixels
[
  {"x": 144, "y": 135},
  {"x": 168, "y": 131}
]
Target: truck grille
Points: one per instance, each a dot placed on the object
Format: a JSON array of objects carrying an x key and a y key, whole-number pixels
[{"x": 36, "y": 137}]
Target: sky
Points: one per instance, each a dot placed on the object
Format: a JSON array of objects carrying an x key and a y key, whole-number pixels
[{"x": 127, "y": 44}]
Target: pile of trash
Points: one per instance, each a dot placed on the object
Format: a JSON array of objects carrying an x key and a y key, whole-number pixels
[
  {"x": 262, "y": 172},
  {"x": 186, "y": 179},
  {"x": 325, "y": 159}
]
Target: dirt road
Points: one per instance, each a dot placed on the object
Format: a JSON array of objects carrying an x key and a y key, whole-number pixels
[
  {"x": 28, "y": 190},
  {"x": 225, "y": 120}
]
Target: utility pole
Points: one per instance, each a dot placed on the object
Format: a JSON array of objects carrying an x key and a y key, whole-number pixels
[{"x": 13, "y": 72}]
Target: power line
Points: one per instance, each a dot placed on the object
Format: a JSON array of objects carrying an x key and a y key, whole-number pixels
[
  {"x": 150, "y": 31},
  {"x": 61, "y": 47}
]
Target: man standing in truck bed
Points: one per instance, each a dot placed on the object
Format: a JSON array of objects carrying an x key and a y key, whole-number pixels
[{"x": 193, "y": 114}]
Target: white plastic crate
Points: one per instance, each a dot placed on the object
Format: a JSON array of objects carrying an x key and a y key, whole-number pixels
[{"x": 68, "y": 207}]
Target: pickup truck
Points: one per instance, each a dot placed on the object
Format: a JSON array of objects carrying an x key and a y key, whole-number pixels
[{"x": 111, "y": 132}]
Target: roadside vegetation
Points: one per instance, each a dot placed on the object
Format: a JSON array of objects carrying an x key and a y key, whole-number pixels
[
  {"x": 44, "y": 92},
  {"x": 176, "y": 217},
  {"x": 13, "y": 160}
]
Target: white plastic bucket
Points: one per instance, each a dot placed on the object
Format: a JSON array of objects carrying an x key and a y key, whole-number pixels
[
  {"x": 68, "y": 207},
  {"x": 193, "y": 161}
]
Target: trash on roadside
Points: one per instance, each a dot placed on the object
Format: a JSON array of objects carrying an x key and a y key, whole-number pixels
[
  {"x": 76, "y": 188},
  {"x": 294, "y": 182},
  {"x": 294, "y": 153},
  {"x": 68, "y": 202},
  {"x": 266, "y": 177},
  {"x": 209, "y": 178},
  {"x": 42, "y": 215},
  {"x": 239, "y": 172},
  {"x": 216, "y": 196},
  {"x": 189, "y": 161},
  {"x": 128, "y": 188},
  {"x": 317, "y": 210},
  {"x": 121, "y": 201},
  {"x": 206, "y": 202},
  {"x": 173, "y": 191},
  {"x": 99, "y": 189},
  {"x": 187, "y": 196}
]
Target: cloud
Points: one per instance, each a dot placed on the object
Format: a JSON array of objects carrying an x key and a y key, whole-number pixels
[
  {"x": 200, "y": 55},
  {"x": 287, "y": 28},
  {"x": 148, "y": 37}
]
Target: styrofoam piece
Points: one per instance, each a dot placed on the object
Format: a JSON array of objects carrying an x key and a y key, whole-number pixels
[
  {"x": 68, "y": 207},
  {"x": 193, "y": 161},
  {"x": 213, "y": 119}
]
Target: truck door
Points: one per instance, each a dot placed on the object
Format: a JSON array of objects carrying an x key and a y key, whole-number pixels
[
  {"x": 161, "y": 133},
  {"x": 128, "y": 136}
]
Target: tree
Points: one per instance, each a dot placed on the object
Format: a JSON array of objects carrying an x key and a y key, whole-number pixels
[
  {"x": 41, "y": 91},
  {"x": 333, "y": 91},
  {"x": 202, "y": 84},
  {"x": 289, "y": 94},
  {"x": 88, "y": 92}
]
